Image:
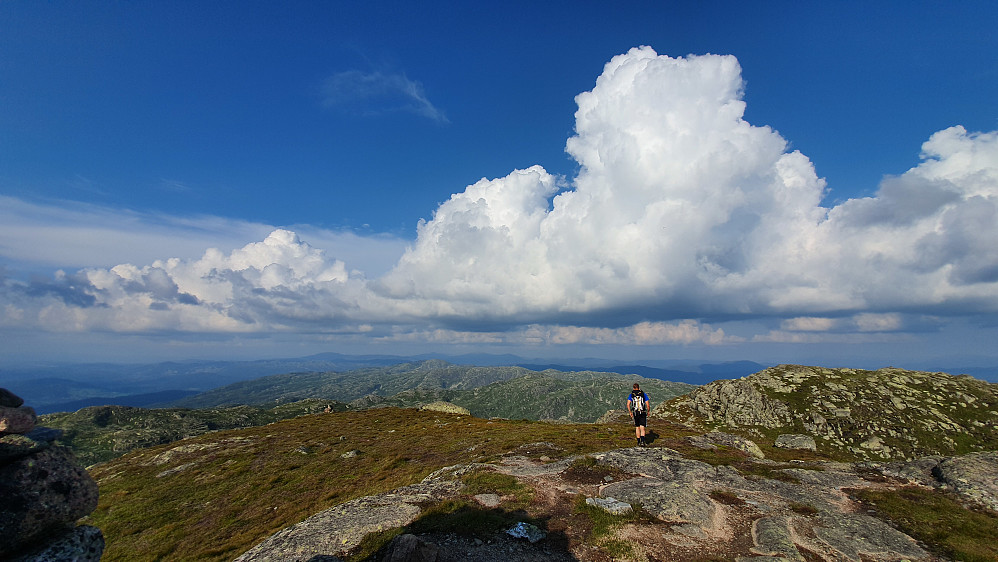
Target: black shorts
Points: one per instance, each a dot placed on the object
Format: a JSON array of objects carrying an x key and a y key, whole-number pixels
[{"x": 641, "y": 419}]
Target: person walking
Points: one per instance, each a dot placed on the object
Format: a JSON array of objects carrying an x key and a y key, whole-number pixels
[{"x": 637, "y": 407}]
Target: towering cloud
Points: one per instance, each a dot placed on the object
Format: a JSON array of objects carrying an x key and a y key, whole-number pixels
[{"x": 682, "y": 213}]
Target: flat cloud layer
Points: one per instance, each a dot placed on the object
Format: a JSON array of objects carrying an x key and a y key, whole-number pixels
[{"x": 682, "y": 214}]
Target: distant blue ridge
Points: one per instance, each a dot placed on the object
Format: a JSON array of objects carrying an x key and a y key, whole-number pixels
[{"x": 135, "y": 400}]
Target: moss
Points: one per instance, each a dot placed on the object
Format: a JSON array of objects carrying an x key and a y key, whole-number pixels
[
  {"x": 488, "y": 482},
  {"x": 726, "y": 497},
  {"x": 803, "y": 509},
  {"x": 226, "y": 491},
  {"x": 939, "y": 521},
  {"x": 602, "y": 524}
]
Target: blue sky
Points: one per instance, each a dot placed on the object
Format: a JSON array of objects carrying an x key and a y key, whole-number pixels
[{"x": 272, "y": 179}]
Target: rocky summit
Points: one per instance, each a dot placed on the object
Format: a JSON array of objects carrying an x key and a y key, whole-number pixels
[
  {"x": 44, "y": 490},
  {"x": 790, "y": 464},
  {"x": 876, "y": 415},
  {"x": 685, "y": 510}
]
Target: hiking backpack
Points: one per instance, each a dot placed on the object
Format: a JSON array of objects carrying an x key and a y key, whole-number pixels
[{"x": 638, "y": 402}]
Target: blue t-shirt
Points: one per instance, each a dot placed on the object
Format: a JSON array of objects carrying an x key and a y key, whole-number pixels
[{"x": 644, "y": 396}]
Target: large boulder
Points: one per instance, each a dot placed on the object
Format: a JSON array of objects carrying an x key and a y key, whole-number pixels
[
  {"x": 81, "y": 544},
  {"x": 43, "y": 494},
  {"x": 795, "y": 441},
  {"x": 44, "y": 491}
]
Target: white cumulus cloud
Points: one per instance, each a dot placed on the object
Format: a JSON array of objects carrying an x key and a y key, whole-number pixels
[{"x": 682, "y": 216}]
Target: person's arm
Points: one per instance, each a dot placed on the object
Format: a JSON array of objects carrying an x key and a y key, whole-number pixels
[{"x": 628, "y": 406}]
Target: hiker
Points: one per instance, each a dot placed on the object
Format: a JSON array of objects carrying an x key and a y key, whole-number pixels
[{"x": 637, "y": 406}]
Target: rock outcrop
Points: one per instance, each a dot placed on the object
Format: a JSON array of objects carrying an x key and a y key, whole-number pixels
[
  {"x": 799, "y": 512},
  {"x": 876, "y": 415},
  {"x": 974, "y": 476},
  {"x": 336, "y": 531},
  {"x": 445, "y": 407},
  {"x": 44, "y": 490}
]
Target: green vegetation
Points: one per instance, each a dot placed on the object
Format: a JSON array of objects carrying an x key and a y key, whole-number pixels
[
  {"x": 727, "y": 497},
  {"x": 461, "y": 515},
  {"x": 506, "y": 392},
  {"x": 602, "y": 524},
  {"x": 938, "y": 520},
  {"x": 585, "y": 470},
  {"x": 803, "y": 509},
  {"x": 216, "y": 495},
  {"x": 488, "y": 482},
  {"x": 101, "y": 433},
  {"x": 853, "y": 414}
]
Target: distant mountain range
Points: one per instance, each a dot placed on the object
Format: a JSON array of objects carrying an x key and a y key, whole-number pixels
[
  {"x": 69, "y": 387},
  {"x": 497, "y": 391},
  {"x": 99, "y": 433},
  {"x": 61, "y": 387}
]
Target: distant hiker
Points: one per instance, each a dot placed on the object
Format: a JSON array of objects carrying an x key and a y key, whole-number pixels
[{"x": 637, "y": 406}]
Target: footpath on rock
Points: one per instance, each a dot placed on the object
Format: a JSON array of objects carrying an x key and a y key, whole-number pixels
[{"x": 670, "y": 508}]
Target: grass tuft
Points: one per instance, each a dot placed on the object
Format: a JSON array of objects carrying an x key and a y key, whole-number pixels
[{"x": 939, "y": 521}]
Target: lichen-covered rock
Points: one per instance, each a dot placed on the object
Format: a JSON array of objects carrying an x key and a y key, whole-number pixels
[
  {"x": 610, "y": 505},
  {"x": 736, "y": 442},
  {"x": 334, "y": 532},
  {"x": 883, "y": 415},
  {"x": 973, "y": 476},
  {"x": 736, "y": 404},
  {"x": 43, "y": 493},
  {"x": 671, "y": 502},
  {"x": 81, "y": 544},
  {"x": 771, "y": 536},
  {"x": 856, "y": 537},
  {"x": 795, "y": 441},
  {"x": 446, "y": 407}
]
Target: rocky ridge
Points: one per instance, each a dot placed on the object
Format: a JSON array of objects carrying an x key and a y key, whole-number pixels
[
  {"x": 876, "y": 415},
  {"x": 691, "y": 510},
  {"x": 44, "y": 490}
]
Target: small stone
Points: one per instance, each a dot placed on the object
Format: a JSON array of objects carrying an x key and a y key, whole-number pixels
[
  {"x": 610, "y": 505},
  {"x": 527, "y": 531},
  {"x": 488, "y": 500},
  {"x": 350, "y": 454}
]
